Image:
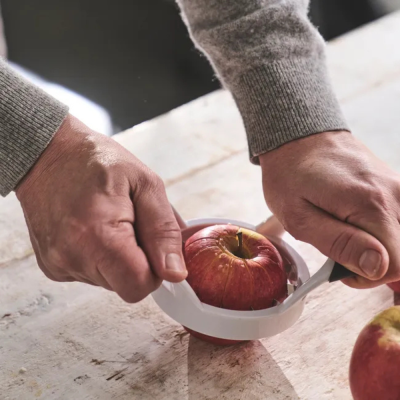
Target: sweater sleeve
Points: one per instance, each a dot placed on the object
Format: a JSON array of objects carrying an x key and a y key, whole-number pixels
[
  {"x": 271, "y": 58},
  {"x": 28, "y": 120}
]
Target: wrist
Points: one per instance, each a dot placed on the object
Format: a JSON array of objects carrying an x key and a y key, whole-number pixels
[
  {"x": 305, "y": 145},
  {"x": 63, "y": 139}
]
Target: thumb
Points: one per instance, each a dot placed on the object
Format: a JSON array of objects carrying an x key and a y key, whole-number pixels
[
  {"x": 348, "y": 245},
  {"x": 159, "y": 235}
]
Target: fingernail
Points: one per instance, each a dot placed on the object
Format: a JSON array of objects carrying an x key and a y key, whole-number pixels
[
  {"x": 174, "y": 262},
  {"x": 370, "y": 262}
]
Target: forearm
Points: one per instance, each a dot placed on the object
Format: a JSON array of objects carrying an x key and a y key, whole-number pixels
[
  {"x": 268, "y": 54},
  {"x": 28, "y": 120}
]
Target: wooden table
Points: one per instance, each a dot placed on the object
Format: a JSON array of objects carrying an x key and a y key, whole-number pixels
[{"x": 73, "y": 342}]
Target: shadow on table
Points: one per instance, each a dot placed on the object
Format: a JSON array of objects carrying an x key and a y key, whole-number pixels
[{"x": 244, "y": 371}]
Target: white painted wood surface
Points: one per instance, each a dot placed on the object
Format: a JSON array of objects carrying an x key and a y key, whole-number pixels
[{"x": 73, "y": 341}]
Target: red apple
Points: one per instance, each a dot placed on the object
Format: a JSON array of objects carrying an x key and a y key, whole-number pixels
[
  {"x": 234, "y": 268},
  {"x": 375, "y": 362}
]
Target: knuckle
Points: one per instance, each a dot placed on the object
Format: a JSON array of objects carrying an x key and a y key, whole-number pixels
[
  {"x": 54, "y": 276},
  {"x": 377, "y": 199},
  {"x": 167, "y": 230},
  {"x": 296, "y": 223},
  {"x": 53, "y": 257},
  {"x": 59, "y": 265},
  {"x": 109, "y": 238},
  {"x": 54, "y": 261},
  {"x": 149, "y": 181}
]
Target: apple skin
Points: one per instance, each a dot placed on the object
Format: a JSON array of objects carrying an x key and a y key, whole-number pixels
[
  {"x": 395, "y": 286},
  {"x": 252, "y": 280},
  {"x": 375, "y": 362}
]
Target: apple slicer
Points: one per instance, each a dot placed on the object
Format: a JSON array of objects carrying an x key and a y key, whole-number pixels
[{"x": 179, "y": 301}]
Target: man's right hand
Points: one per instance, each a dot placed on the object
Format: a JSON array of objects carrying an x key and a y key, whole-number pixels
[
  {"x": 97, "y": 215},
  {"x": 329, "y": 190}
]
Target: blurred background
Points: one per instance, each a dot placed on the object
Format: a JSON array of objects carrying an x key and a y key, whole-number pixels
[{"x": 130, "y": 61}]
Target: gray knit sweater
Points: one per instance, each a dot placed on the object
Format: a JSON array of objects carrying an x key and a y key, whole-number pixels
[{"x": 266, "y": 52}]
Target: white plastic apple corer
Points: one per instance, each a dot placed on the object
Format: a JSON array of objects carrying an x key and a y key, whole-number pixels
[{"x": 179, "y": 301}]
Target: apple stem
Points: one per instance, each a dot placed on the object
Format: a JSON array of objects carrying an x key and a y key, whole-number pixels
[{"x": 240, "y": 239}]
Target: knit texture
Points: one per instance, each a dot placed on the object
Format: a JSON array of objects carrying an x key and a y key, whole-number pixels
[
  {"x": 266, "y": 52},
  {"x": 28, "y": 120},
  {"x": 271, "y": 58}
]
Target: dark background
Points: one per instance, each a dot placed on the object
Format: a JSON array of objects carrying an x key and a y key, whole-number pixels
[{"x": 133, "y": 57}]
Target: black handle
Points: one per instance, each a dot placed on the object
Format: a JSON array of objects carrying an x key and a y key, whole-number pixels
[{"x": 340, "y": 272}]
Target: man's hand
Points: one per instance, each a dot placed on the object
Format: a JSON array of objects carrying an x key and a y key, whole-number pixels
[
  {"x": 96, "y": 214},
  {"x": 329, "y": 190}
]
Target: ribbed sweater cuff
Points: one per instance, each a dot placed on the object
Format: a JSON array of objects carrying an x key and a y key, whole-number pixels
[
  {"x": 287, "y": 100},
  {"x": 28, "y": 120}
]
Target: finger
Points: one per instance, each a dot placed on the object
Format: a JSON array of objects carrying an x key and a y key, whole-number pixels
[
  {"x": 159, "y": 235},
  {"x": 386, "y": 230},
  {"x": 348, "y": 245},
  {"x": 124, "y": 266},
  {"x": 374, "y": 213},
  {"x": 359, "y": 282}
]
